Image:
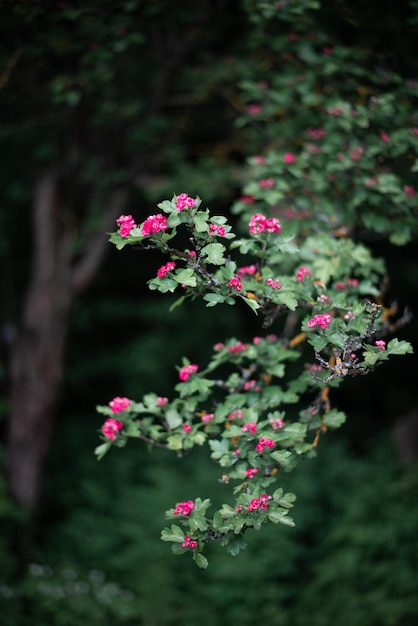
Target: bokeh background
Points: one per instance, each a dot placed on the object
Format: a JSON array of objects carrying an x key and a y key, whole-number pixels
[{"x": 108, "y": 108}]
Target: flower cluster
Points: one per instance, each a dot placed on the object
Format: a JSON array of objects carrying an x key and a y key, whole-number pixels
[
  {"x": 259, "y": 503},
  {"x": 277, "y": 423},
  {"x": 380, "y": 344},
  {"x": 259, "y": 223},
  {"x": 302, "y": 273},
  {"x": 351, "y": 282},
  {"x": 250, "y": 427},
  {"x": 111, "y": 428},
  {"x": 184, "y": 201},
  {"x": 247, "y": 269},
  {"x": 186, "y": 371},
  {"x": 236, "y": 414},
  {"x": 266, "y": 183},
  {"x": 235, "y": 283},
  {"x": 264, "y": 443},
  {"x": 126, "y": 223},
  {"x": 289, "y": 157},
  {"x": 251, "y": 472},
  {"x": 154, "y": 224},
  {"x": 207, "y": 417},
  {"x": 189, "y": 543},
  {"x": 274, "y": 284},
  {"x": 320, "y": 320},
  {"x": 214, "y": 229},
  {"x": 184, "y": 508},
  {"x": 238, "y": 347},
  {"x": 119, "y": 404},
  {"x": 186, "y": 428},
  {"x": 161, "y": 401},
  {"x": 165, "y": 269}
]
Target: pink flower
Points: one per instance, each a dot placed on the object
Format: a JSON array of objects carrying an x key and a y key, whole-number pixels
[
  {"x": 119, "y": 404},
  {"x": 250, "y": 427},
  {"x": 380, "y": 344},
  {"x": 154, "y": 224},
  {"x": 316, "y": 133},
  {"x": 327, "y": 50},
  {"x": 111, "y": 428},
  {"x": 236, "y": 414},
  {"x": 259, "y": 223},
  {"x": 165, "y": 269},
  {"x": 251, "y": 384},
  {"x": 371, "y": 182},
  {"x": 277, "y": 423},
  {"x": 251, "y": 472},
  {"x": 302, "y": 273},
  {"x": 356, "y": 153},
  {"x": 184, "y": 508},
  {"x": 320, "y": 320},
  {"x": 126, "y": 223},
  {"x": 289, "y": 157},
  {"x": 247, "y": 199},
  {"x": 257, "y": 340},
  {"x": 264, "y": 443},
  {"x": 191, "y": 253},
  {"x": 207, "y": 417},
  {"x": 384, "y": 136},
  {"x": 335, "y": 111},
  {"x": 186, "y": 428},
  {"x": 186, "y": 371},
  {"x": 260, "y": 160},
  {"x": 214, "y": 229},
  {"x": 409, "y": 191},
  {"x": 218, "y": 346},
  {"x": 161, "y": 401},
  {"x": 254, "y": 109},
  {"x": 189, "y": 543},
  {"x": 266, "y": 183},
  {"x": 238, "y": 347},
  {"x": 274, "y": 284},
  {"x": 184, "y": 201},
  {"x": 235, "y": 283},
  {"x": 259, "y": 503},
  {"x": 292, "y": 37},
  {"x": 247, "y": 269}
]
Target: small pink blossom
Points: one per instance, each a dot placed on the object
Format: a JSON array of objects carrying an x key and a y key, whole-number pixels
[
  {"x": 189, "y": 543},
  {"x": 207, "y": 417},
  {"x": 259, "y": 223},
  {"x": 165, "y": 269},
  {"x": 247, "y": 269},
  {"x": 292, "y": 37},
  {"x": 320, "y": 320},
  {"x": 191, "y": 253},
  {"x": 251, "y": 384},
  {"x": 371, "y": 182},
  {"x": 184, "y": 508},
  {"x": 214, "y": 229},
  {"x": 250, "y": 427},
  {"x": 154, "y": 224},
  {"x": 266, "y": 183},
  {"x": 274, "y": 284},
  {"x": 236, "y": 414},
  {"x": 119, "y": 404},
  {"x": 218, "y": 346},
  {"x": 409, "y": 191},
  {"x": 184, "y": 201},
  {"x": 327, "y": 50},
  {"x": 161, "y": 401},
  {"x": 186, "y": 428},
  {"x": 276, "y": 423},
  {"x": 356, "y": 153},
  {"x": 349, "y": 316},
  {"x": 187, "y": 370},
  {"x": 380, "y": 344},
  {"x": 316, "y": 133},
  {"x": 264, "y": 443},
  {"x": 111, "y": 428},
  {"x": 289, "y": 157},
  {"x": 247, "y": 199},
  {"x": 238, "y": 347},
  {"x": 251, "y": 472},
  {"x": 235, "y": 283},
  {"x": 257, "y": 340},
  {"x": 259, "y": 503},
  {"x": 384, "y": 137},
  {"x": 302, "y": 273},
  {"x": 254, "y": 109},
  {"x": 335, "y": 111},
  {"x": 126, "y": 223},
  {"x": 260, "y": 160},
  {"x": 271, "y": 338},
  {"x": 413, "y": 131}
]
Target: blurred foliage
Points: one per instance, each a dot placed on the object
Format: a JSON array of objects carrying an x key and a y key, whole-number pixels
[
  {"x": 352, "y": 557},
  {"x": 90, "y": 557}
]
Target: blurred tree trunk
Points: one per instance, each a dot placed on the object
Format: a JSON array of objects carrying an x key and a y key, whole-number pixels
[{"x": 37, "y": 356}]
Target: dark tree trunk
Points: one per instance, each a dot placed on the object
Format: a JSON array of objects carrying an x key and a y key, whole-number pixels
[{"x": 37, "y": 356}]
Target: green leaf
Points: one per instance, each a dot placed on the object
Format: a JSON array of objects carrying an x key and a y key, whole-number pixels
[
  {"x": 200, "y": 560},
  {"x": 214, "y": 252},
  {"x": 399, "y": 347},
  {"x": 174, "y": 533},
  {"x": 185, "y": 277},
  {"x": 288, "y": 299},
  {"x": 175, "y": 442},
  {"x": 334, "y": 418},
  {"x": 213, "y": 299},
  {"x": 101, "y": 450},
  {"x": 173, "y": 418}
]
